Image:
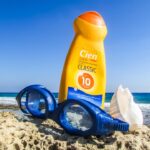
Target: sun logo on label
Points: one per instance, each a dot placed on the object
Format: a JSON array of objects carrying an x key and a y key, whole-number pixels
[{"x": 85, "y": 80}]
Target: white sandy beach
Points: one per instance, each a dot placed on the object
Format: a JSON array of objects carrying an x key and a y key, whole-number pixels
[{"x": 17, "y": 133}]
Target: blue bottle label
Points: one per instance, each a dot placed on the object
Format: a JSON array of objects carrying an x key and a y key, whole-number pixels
[{"x": 74, "y": 93}]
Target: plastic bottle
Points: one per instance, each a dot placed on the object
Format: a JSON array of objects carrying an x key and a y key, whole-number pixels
[{"x": 84, "y": 72}]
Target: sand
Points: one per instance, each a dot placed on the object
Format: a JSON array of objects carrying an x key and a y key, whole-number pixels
[{"x": 17, "y": 133}]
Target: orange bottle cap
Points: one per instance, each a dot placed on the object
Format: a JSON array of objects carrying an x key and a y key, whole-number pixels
[{"x": 93, "y": 17}]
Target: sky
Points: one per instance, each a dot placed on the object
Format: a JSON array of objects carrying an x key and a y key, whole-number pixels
[{"x": 35, "y": 36}]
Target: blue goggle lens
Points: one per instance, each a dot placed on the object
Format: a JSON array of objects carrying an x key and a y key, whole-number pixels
[
  {"x": 36, "y": 103},
  {"x": 77, "y": 117},
  {"x": 23, "y": 104}
]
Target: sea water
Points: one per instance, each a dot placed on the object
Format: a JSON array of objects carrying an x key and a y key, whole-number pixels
[{"x": 143, "y": 100}]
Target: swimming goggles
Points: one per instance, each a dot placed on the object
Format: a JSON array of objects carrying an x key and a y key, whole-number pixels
[{"x": 75, "y": 116}]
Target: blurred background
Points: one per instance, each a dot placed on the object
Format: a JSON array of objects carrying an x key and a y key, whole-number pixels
[{"x": 35, "y": 37}]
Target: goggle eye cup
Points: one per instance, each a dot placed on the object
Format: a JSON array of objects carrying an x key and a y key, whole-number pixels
[
  {"x": 23, "y": 104},
  {"x": 36, "y": 103},
  {"x": 75, "y": 117}
]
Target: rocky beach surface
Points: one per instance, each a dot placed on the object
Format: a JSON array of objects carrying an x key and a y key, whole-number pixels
[{"x": 20, "y": 132}]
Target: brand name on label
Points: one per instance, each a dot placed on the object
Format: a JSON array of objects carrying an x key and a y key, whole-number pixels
[{"x": 86, "y": 54}]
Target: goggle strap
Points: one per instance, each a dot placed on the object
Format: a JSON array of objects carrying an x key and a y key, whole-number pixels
[{"x": 120, "y": 125}]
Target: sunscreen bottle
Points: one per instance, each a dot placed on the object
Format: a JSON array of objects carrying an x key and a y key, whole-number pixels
[{"x": 84, "y": 72}]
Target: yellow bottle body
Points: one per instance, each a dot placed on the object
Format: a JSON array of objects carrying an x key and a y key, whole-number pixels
[{"x": 84, "y": 72}]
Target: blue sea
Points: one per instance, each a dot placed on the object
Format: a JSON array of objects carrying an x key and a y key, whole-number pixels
[
  {"x": 143, "y": 100},
  {"x": 138, "y": 97}
]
